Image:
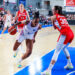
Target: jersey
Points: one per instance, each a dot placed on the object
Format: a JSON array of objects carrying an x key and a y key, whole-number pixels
[
  {"x": 8, "y": 18},
  {"x": 29, "y": 29},
  {"x": 21, "y": 17},
  {"x": 27, "y": 32},
  {"x": 8, "y": 21},
  {"x": 63, "y": 27},
  {"x": 62, "y": 24}
]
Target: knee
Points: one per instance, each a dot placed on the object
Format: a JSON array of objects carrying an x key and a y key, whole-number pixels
[
  {"x": 68, "y": 57},
  {"x": 53, "y": 62}
]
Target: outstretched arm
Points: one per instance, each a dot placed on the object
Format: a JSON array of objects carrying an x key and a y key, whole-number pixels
[
  {"x": 21, "y": 22},
  {"x": 53, "y": 19}
]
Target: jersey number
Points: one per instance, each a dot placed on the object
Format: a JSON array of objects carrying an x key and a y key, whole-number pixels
[{"x": 63, "y": 21}]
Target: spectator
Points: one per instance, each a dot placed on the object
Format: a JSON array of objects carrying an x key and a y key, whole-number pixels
[{"x": 1, "y": 23}]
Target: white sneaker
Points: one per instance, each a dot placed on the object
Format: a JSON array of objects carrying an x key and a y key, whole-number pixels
[
  {"x": 69, "y": 66},
  {"x": 19, "y": 63},
  {"x": 47, "y": 72}
]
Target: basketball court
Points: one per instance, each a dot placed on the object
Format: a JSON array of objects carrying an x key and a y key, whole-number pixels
[
  {"x": 39, "y": 60},
  {"x": 46, "y": 39}
]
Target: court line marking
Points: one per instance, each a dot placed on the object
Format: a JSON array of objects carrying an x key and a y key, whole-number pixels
[
  {"x": 41, "y": 57},
  {"x": 33, "y": 62},
  {"x": 71, "y": 72}
]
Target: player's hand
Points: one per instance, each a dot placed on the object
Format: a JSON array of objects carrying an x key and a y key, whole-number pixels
[{"x": 18, "y": 23}]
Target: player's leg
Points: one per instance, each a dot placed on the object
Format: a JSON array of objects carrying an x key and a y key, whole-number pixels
[
  {"x": 4, "y": 30},
  {"x": 29, "y": 46},
  {"x": 21, "y": 46},
  {"x": 15, "y": 48},
  {"x": 66, "y": 52},
  {"x": 5, "y": 27},
  {"x": 68, "y": 41},
  {"x": 60, "y": 45}
]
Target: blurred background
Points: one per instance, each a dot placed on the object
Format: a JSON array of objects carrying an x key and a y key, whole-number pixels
[{"x": 43, "y": 6}]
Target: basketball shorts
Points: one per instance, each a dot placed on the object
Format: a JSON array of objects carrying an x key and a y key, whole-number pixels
[
  {"x": 7, "y": 24},
  {"x": 23, "y": 36}
]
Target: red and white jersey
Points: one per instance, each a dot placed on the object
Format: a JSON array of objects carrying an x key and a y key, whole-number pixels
[
  {"x": 61, "y": 24},
  {"x": 63, "y": 27},
  {"x": 21, "y": 17}
]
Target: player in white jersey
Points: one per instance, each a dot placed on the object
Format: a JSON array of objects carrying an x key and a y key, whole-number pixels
[
  {"x": 28, "y": 33},
  {"x": 7, "y": 21}
]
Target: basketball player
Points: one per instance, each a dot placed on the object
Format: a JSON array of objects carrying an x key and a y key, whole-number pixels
[
  {"x": 21, "y": 15},
  {"x": 66, "y": 36},
  {"x": 7, "y": 21},
  {"x": 28, "y": 33}
]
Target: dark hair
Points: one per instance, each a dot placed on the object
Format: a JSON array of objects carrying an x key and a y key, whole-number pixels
[
  {"x": 59, "y": 8},
  {"x": 36, "y": 15}
]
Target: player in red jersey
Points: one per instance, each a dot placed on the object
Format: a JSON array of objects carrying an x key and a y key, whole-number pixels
[
  {"x": 21, "y": 15},
  {"x": 66, "y": 36}
]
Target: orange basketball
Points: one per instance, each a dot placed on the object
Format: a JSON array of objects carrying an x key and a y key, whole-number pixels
[{"x": 12, "y": 30}]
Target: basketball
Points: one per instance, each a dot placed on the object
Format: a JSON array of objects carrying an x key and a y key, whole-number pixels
[{"x": 12, "y": 30}]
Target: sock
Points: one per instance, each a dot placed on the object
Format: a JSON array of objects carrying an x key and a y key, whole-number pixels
[
  {"x": 22, "y": 49},
  {"x": 20, "y": 60},
  {"x": 50, "y": 66},
  {"x": 69, "y": 61}
]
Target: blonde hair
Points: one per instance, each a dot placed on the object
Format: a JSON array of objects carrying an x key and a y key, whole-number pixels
[{"x": 21, "y": 5}]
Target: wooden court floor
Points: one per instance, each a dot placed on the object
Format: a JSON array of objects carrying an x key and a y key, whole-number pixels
[{"x": 46, "y": 40}]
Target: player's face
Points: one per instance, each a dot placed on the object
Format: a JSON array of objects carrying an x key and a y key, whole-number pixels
[
  {"x": 54, "y": 11},
  {"x": 35, "y": 22},
  {"x": 21, "y": 7}
]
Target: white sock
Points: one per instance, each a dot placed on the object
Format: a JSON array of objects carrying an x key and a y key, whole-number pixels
[
  {"x": 69, "y": 61},
  {"x": 20, "y": 60},
  {"x": 21, "y": 48},
  {"x": 50, "y": 66}
]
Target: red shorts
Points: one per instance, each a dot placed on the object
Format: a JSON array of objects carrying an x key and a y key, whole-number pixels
[
  {"x": 20, "y": 26},
  {"x": 19, "y": 29},
  {"x": 69, "y": 37}
]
